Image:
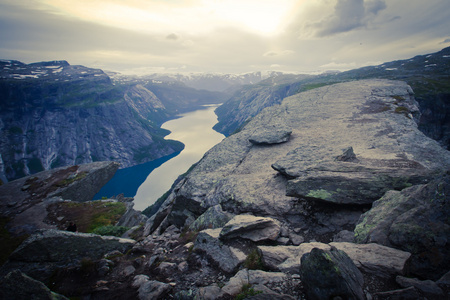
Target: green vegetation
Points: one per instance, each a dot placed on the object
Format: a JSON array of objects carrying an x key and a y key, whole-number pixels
[
  {"x": 247, "y": 291},
  {"x": 402, "y": 110},
  {"x": 253, "y": 260},
  {"x": 71, "y": 179},
  {"x": 111, "y": 230},
  {"x": 93, "y": 214},
  {"x": 319, "y": 194}
]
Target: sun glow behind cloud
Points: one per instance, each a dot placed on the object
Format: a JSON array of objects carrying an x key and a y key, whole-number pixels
[{"x": 264, "y": 17}]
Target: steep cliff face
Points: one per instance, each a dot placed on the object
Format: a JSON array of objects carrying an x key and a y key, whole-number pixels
[{"x": 54, "y": 114}]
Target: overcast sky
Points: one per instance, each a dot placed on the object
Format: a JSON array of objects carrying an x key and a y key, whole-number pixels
[{"x": 226, "y": 36}]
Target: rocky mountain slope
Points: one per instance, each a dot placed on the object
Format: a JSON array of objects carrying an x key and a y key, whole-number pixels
[
  {"x": 428, "y": 75},
  {"x": 333, "y": 193},
  {"x": 53, "y": 114}
]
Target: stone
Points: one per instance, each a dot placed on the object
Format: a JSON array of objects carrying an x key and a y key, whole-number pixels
[
  {"x": 211, "y": 292},
  {"x": 295, "y": 238},
  {"x": 139, "y": 280},
  {"x": 401, "y": 294},
  {"x": 375, "y": 259},
  {"x": 413, "y": 220},
  {"x": 50, "y": 250},
  {"x": 252, "y": 277},
  {"x": 213, "y": 217},
  {"x": 444, "y": 280},
  {"x": 344, "y": 236},
  {"x": 226, "y": 258},
  {"x": 128, "y": 270},
  {"x": 252, "y": 228},
  {"x": 427, "y": 287},
  {"x": 347, "y": 155},
  {"x": 153, "y": 289},
  {"x": 286, "y": 258},
  {"x": 330, "y": 273},
  {"x": 19, "y": 286},
  {"x": 270, "y": 135},
  {"x": 167, "y": 269}
]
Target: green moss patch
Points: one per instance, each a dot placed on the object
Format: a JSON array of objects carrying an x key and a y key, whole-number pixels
[{"x": 88, "y": 216}]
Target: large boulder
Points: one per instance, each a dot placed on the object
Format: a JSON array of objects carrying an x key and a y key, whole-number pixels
[
  {"x": 376, "y": 259},
  {"x": 327, "y": 274},
  {"x": 225, "y": 257},
  {"x": 18, "y": 286},
  {"x": 49, "y": 250},
  {"x": 213, "y": 217},
  {"x": 414, "y": 220},
  {"x": 251, "y": 228}
]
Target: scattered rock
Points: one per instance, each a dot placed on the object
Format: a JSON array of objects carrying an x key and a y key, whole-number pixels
[
  {"x": 252, "y": 228},
  {"x": 330, "y": 273},
  {"x": 152, "y": 289}
]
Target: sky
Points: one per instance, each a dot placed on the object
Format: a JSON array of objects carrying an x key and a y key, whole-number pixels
[{"x": 222, "y": 36}]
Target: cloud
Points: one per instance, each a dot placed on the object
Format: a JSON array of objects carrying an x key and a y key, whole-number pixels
[
  {"x": 348, "y": 15},
  {"x": 278, "y": 53},
  {"x": 172, "y": 36},
  {"x": 445, "y": 41}
]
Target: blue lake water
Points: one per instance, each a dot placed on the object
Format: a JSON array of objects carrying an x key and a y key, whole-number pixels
[{"x": 149, "y": 181}]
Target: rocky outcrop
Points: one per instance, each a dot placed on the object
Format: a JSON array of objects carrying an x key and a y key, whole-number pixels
[
  {"x": 330, "y": 273},
  {"x": 376, "y": 118},
  {"x": 25, "y": 201},
  {"x": 415, "y": 220},
  {"x": 47, "y": 251}
]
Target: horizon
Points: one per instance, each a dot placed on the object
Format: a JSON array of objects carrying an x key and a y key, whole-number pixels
[{"x": 222, "y": 37}]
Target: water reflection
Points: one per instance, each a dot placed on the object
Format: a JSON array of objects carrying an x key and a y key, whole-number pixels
[{"x": 195, "y": 131}]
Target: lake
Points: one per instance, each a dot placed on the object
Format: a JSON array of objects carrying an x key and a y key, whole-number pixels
[{"x": 149, "y": 181}]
